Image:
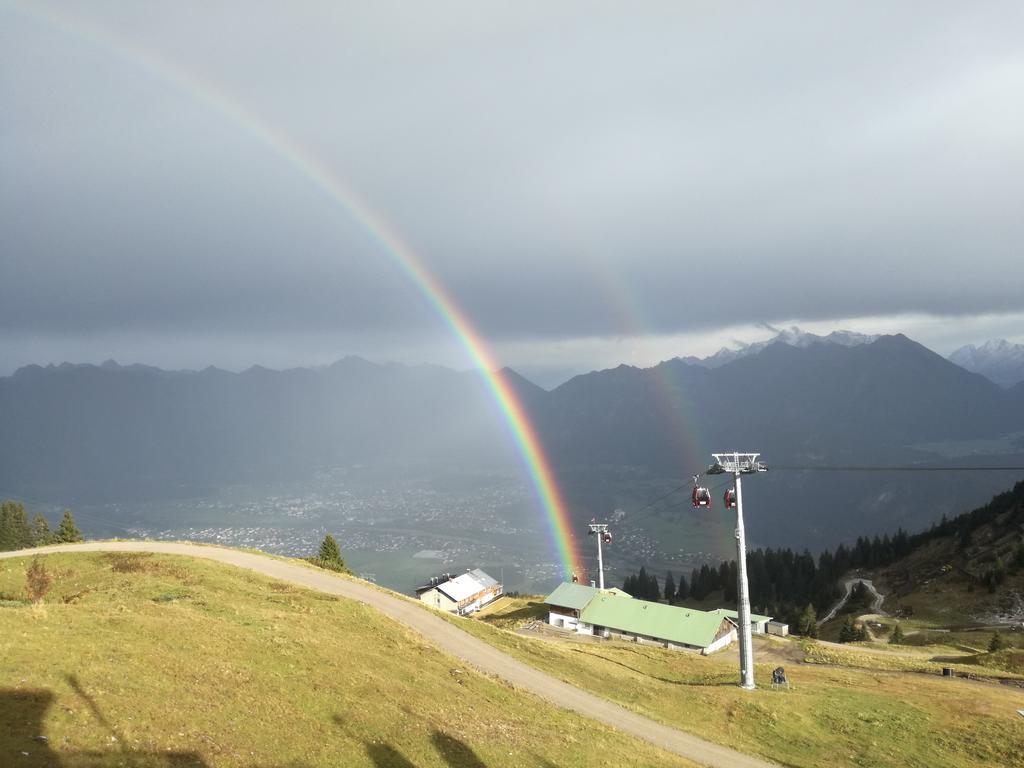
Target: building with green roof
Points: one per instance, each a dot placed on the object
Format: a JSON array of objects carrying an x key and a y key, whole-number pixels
[
  {"x": 614, "y": 614},
  {"x": 668, "y": 626},
  {"x": 568, "y": 600}
]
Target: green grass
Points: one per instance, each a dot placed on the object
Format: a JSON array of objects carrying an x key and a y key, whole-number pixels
[
  {"x": 992, "y": 665},
  {"x": 833, "y": 715},
  {"x": 514, "y": 612},
  {"x": 151, "y": 660}
]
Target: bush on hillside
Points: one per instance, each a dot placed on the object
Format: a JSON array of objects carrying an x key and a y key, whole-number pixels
[{"x": 39, "y": 580}]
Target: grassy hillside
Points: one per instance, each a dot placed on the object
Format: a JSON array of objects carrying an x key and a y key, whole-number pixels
[
  {"x": 146, "y": 660},
  {"x": 851, "y": 708}
]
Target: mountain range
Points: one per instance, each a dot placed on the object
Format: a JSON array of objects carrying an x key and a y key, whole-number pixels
[
  {"x": 793, "y": 337},
  {"x": 996, "y": 359},
  {"x": 115, "y": 432}
]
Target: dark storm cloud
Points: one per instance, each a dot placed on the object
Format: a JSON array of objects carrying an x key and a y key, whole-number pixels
[{"x": 567, "y": 172}]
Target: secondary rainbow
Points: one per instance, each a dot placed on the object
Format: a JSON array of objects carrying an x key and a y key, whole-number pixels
[{"x": 392, "y": 244}]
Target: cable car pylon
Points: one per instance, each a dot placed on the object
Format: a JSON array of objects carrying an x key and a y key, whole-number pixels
[
  {"x": 603, "y": 537},
  {"x": 739, "y": 464}
]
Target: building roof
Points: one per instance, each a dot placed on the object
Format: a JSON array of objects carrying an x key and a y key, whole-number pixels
[
  {"x": 460, "y": 588},
  {"x": 754, "y": 617},
  {"x": 574, "y": 596},
  {"x": 664, "y": 622},
  {"x": 466, "y": 585},
  {"x": 484, "y": 580}
]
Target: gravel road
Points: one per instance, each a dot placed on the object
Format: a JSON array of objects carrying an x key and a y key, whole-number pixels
[{"x": 876, "y": 599}]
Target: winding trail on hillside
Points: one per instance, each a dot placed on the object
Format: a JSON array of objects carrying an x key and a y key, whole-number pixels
[
  {"x": 876, "y": 599},
  {"x": 448, "y": 638}
]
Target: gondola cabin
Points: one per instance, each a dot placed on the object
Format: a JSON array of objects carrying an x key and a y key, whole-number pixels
[
  {"x": 730, "y": 499},
  {"x": 701, "y": 497}
]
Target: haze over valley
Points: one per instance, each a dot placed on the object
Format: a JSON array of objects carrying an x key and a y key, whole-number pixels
[{"x": 415, "y": 471}]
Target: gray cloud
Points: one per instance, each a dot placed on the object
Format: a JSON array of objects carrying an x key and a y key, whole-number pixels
[{"x": 570, "y": 173}]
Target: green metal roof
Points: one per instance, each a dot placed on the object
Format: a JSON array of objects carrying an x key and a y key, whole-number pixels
[
  {"x": 734, "y": 615},
  {"x": 574, "y": 596},
  {"x": 664, "y": 622}
]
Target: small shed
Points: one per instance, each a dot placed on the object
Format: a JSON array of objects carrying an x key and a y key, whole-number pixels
[
  {"x": 758, "y": 623},
  {"x": 778, "y": 628}
]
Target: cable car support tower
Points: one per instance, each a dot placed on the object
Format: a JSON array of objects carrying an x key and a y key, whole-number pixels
[
  {"x": 603, "y": 536},
  {"x": 739, "y": 464}
]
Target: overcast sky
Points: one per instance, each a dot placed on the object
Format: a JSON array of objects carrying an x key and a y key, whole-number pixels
[{"x": 592, "y": 182}]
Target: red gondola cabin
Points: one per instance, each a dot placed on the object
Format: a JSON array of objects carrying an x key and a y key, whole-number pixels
[{"x": 701, "y": 497}]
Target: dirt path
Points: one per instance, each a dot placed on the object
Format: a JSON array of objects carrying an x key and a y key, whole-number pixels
[
  {"x": 448, "y": 638},
  {"x": 876, "y": 600}
]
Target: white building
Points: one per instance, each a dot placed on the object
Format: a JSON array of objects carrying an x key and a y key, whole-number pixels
[
  {"x": 566, "y": 603},
  {"x": 463, "y": 594}
]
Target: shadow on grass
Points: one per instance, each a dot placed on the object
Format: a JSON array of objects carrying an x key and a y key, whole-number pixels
[
  {"x": 386, "y": 756},
  {"x": 958, "y": 659},
  {"x": 454, "y": 752},
  {"x": 701, "y": 683},
  {"x": 24, "y": 743}
]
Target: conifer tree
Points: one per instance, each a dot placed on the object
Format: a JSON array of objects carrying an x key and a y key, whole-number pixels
[
  {"x": 653, "y": 593},
  {"x": 41, "y": 533},
  {"x": 848, "y": 633},
  {"x": 670, "y": 587},
  {"x": 896, "y": 638},
  {"x": 67, "y": 531},
  {"x": 808, "y": 625},
  {"x": 15, "y": 532},
  {"x": 682, "y": 590},
  {"x": 997, "y": 643},
  {"x": 330, "y": 555}
]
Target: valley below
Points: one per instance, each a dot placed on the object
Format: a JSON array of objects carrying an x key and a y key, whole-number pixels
[{"x": 401, "y": 535}]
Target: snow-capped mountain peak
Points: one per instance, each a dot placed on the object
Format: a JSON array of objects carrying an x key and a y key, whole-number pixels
[
  {"x": 794, "y": 337},
  {"x": 997, "y": 359}
]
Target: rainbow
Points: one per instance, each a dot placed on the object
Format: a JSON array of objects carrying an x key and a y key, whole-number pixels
[
  {"x": 392, "y": 244},
  {"x": 688, "y": 450}
]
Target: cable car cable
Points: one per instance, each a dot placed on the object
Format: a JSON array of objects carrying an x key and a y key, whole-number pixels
[
  {"x": 836, "y": 468},
  {"x": 650, "y": 504},
  {"x": 906, "y": 468}
]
